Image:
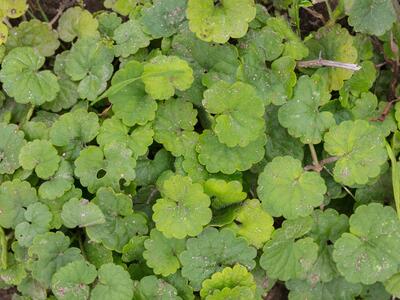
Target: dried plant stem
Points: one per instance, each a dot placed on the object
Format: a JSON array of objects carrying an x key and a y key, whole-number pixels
[
  {"x": 321, "y": 164},
  {"x": 57, "y": 16},
  {"x": 315, "y": 63}
]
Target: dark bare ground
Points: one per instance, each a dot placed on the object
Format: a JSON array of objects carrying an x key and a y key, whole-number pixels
[
  {"x": 6, "y": 294},
  {"x": 278, "y": 292}
]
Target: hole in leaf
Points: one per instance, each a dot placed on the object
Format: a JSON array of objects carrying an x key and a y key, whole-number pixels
[
  {"x": 122, "y": 182},
  {"x": 101, "y": 173}
]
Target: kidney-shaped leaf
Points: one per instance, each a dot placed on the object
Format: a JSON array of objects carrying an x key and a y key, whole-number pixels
[
  {"x": 22, "y": 79},
  {"x": 211, "y": 251},
  {"x": 218, "y": 23},
  {"x": 183, "y": 210},
  {"x": 360, "y": 149},
  {"x": 163, "y": 74},
  {"x": 71, "y": 282},
  {"x": 371, "y": 16},
  {"x": 239, "y": 112},
  {"x": 285, "y": 189},
  {"x": 369, "y": 252}
]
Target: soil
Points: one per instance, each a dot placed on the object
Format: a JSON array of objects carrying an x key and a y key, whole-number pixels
[{"x": 6, "y": 294}]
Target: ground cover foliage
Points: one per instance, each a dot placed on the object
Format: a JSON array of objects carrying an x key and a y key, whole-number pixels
[{"x": 199, "y": 149}]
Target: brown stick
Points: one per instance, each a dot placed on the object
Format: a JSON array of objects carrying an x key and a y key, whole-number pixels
[
  {"x": 57, "y": 16},
  {"x": 321, "y": 164},
  {"x": 315, "y": 63},
  {"x": 385, "y": 111}
]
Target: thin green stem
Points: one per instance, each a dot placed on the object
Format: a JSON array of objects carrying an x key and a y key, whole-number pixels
[
  {"x": 329, "y": 8},
  {"x": 343, "y": 186},
  {"x": 45, "y": 18},
  {"x": 3, "y": 246},
  {"x": 30, "y": 113},
  {"x": 81, "y": 246},
  {"x": 395, "y": 178},
  {"x": 113, "y": 89},
  {"x": 31, "y": 14},
  {"x": 314, "y": 157}
]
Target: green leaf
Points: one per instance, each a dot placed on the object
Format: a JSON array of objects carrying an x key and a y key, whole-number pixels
[
  {"x": 374, "y": 291},
  {"x": 41, "y": 156},
  {"x": 22, "y": 79},
  {"x": 210, "y": 62},
  {"x": 130, "y": 103},
  {"x": 152, "y": 288},
  {"x": 133, "y": 250},
  {"x": 11, "y": 142},
  {"x": 360, "y": 149},
  {"x": 239, "y": 113},
  {"x": 163, "y": 74},
  {"x": 301, "y": 115},
  {"x": 113, "y": 166},
  {"x": 362, "y": 80},
  {"x": 280, "y": 142},
  {"x": 239, "y": 292},
  {"x": 31, "y": 288},
  {"x": 163, "y": 18},
  {"x": 228, "y": 278},
  {"x": 294, "y": 47},
  {"x": 338, "y": 288},
  {"x": 211, "y": 252},
  {"x": 114, "y": 131},
  {"x": 161, "y": 254},
  {"x": 174, "y": 125},
  {"x": 218, "y": 157},
  {"x": 129, "y": 38},
  {"x": 327, "y": 228},
  {"x": 273, "y": 85},
  {"x": 380, "y": 190},
  {"x": 218, "y": 23},
  {"x": 285, "y": 189},
  {"x": 108, "y": 22},
  {"x": 61, "y": 182},
  {"x": 49, "y": 252},
  {"x": 183, "y": 209},
  {"x": 147, "y": 171},
  {"x": 333, "y": 43},
  {"x": 123, "y": 7},
  {"x": 55, "y": 205},
  {"x": 68, "y": 94},
  {"x": 81, "y": 213},
  {"x": 113, "y": 283},
  {"x": 35, "y": 34},
  {"x": 253, "y": 223},
  {"x": 121, "y": 222},
  {"x": 265, "y": 44},
  {"x": 73, "y": 130},
  {"x": 392, "y": 285},
  {"x": 71, "y": 282},
  {"x": 77, "y": 22},
  {"x": 3, "y": 34},
  {"x": 90, "y": 62},
  {"x": 97, "y": 254},
  {"x": 15, "y": 272},
  {"x": 288, "y": 255},
  {"x": 14, "y": 8},
  {"x": 369, "y": 252},
  {"x": 185, "y": 291},
  {"x": 38, "y": 219},
  {"x": 224, "y": 193},
  {"x": 371, "y": 16}
]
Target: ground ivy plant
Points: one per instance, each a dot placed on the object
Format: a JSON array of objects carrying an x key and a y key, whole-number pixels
[{"x": 200, "y": 149}]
